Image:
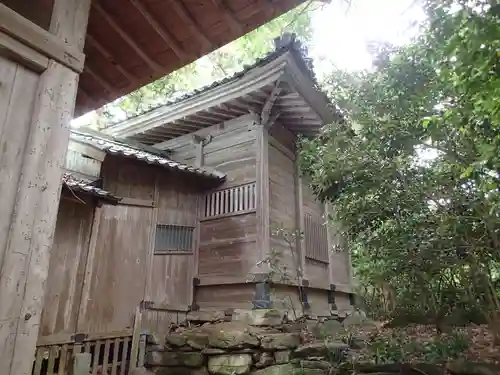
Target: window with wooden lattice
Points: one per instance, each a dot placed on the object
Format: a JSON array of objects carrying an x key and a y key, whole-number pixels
[
  {"x": 316, "y": 239},
  {"x": 234, "y": 200},
  {"x": 173, "y": 239}
]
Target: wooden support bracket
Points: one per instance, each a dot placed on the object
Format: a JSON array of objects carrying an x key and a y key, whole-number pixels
[{"x": 266, "y": 119}]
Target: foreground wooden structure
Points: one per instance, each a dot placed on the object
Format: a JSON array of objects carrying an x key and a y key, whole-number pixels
[
  {"x": 148, "y": 233},
  {"x": 43, "y": 46}
]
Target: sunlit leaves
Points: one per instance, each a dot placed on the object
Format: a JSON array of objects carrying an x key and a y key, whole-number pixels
[{"x": 416, "y": 186}]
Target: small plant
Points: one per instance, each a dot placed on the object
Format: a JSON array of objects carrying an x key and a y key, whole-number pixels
[
  {"x": 449, "y": 347},
  {"x": 400, "y": 349},
  {"x": 277, "y": 269}
]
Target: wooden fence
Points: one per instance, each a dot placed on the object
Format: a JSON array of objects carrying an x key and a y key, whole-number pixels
[{"x": 111, "y": 354}]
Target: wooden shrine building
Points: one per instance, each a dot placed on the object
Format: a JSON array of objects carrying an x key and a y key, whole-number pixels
[
  {"x": 174, "y": 211},
  {"x": 61, "y": 58}
]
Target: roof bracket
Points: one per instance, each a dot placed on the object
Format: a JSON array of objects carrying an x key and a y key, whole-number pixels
[{"x": 265, "y": 114}]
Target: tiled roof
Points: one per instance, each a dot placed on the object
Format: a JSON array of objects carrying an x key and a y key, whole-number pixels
[
  {"x": 82, "y": 186},
  {"x": 145, "y": 154},
  {"x": 283, "y": 44}
]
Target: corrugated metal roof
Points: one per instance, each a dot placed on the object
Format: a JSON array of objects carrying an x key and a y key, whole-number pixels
[
  {"x": 82, "y": 186},
  {"x": 114, "y": 147}
]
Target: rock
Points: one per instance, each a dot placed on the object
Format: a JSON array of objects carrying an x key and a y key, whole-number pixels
[
  {"x": 280, "y": 341},
  {"x": 288, "y": 369},
  {"x": 281, "y": 357},
  {"x": 259, "y": 317},
  {"x": 462, "y": 367},
  {"x": 176, "y": 339},
  {"x": 265, "y": 359},
  {"x": 322, "y": 349},
  {"x": 154, "y": 339},
  {"x": 179, "y": 371},
  {"x": 330, "y": 328},
  {"x": 323, "y": 365},
  {"x": 230, "y": 364},
  {"x": 212, "y": 351},
  {"x": 205, "y": 316},
  {"x": 196, "y": 339},
  {"x": 231, "y": 336},
  {"x": 172, "y": 359},
  {"x": 295, "y": 327}
]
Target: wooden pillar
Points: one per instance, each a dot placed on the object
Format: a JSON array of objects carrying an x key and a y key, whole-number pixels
[
  {"x": 299, "y": 217},
  {"x": 262, "y": 189},
  {"x": 37, "y": 97}
]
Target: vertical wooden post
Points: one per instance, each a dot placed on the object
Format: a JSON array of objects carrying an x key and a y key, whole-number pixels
[
  {"x": 331, "y": 245},
  {"x": 299, "y": 217},
  {"x": 25, "y": 246},
  {"x": 262, "y": 196},
  {"x": 89, "y": 269},
  {"x": 151, "y": 248}
]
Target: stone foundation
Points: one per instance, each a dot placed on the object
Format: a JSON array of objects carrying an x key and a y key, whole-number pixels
[{"x": 259, "y": 342}]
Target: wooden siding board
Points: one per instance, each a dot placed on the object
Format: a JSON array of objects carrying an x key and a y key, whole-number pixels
[
  {"x": 66, "y": 270},
  {"x": 227, "y": 246},
  {"x": 17, "y": 88},
  {"x": 118, "y": 281},
  {"x": 282, "y": 205}
]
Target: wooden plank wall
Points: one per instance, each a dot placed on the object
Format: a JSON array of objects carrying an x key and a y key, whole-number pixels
[
  {"x": 226, "y": 244},
  {"x": 68, "y": 257},
  {"x": 317, "y": 272},
  {"x": 231, "y": 150},
  {"x": 116, "y": 278},
  {"x": 283, "y": 195},
  {"x": 227, "y": 248},
  {"x": 282, "y": 201},
  {"x": 172, "y": 274},
  {"x": 17, "y": 97}
]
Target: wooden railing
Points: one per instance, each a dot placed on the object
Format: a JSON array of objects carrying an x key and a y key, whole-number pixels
[
  {"x": 234, "y": 200},
  {"x": 110, "y": 356}
]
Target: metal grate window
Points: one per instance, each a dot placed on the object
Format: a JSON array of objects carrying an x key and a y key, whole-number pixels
[
  {"x": 230, "y": 201},
  {"x": 172, "y": 238},
  {"x": 316, "y": 239}
]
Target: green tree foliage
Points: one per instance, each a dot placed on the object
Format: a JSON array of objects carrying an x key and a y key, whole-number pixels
[
  {"x": 218, "y": 64},
  {"x": 414, "y": 171}
]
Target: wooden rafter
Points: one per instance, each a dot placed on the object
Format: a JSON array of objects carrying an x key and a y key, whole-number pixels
[
  {"x": 102, "y": 82},
  {"x": 187, "y": 125},
  {"x": 184, "y": 14},
  {"x": 98, "y": 46},
  {"x": 161, "y": 30},
  {"x": 127, "y": 38},
  {"x": 230, "y": 17}
]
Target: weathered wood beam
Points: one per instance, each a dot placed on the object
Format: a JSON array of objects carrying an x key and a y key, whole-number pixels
[
  {"x": 262, "y": 192},
  {"x": 67, "y": 24},
  {"x": 20, "y": 52},
  {"x": 39, "y": 39},
  {"x": 98, "y": 46},
  {"x": 265, "y": 115},
  {"x": 187, "y": 18},
  {"x": 161, "y": 30},
  {"x": 127, "y": 38},
  {"x": 230, "y": 17}
]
